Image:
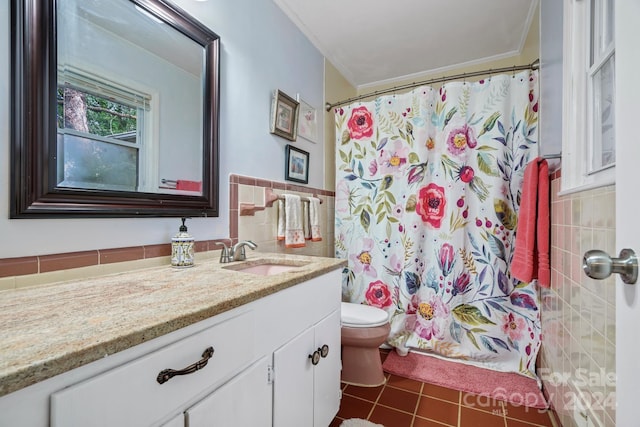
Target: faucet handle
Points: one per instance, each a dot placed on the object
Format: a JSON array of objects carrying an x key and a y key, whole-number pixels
[{"x": 225, "y": 256}]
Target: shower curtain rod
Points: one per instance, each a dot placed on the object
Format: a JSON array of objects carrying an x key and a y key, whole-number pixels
[{"x": 533, "y": 66}]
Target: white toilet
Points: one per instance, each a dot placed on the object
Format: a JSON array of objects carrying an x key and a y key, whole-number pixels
[{"x": 364, "y": 329}]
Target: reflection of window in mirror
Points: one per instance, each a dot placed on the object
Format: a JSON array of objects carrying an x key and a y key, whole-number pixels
[
  {"x": 134, "y": 60},
  {"x": 102, "y": 138}
]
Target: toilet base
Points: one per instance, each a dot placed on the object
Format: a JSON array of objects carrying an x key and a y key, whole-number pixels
[
  {"x": 362, "y": 367},
  {"x": 361, "y": 362}
]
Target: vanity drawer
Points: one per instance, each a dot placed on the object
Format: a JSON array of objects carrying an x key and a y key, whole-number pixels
[{"x": 130, "y": 395}]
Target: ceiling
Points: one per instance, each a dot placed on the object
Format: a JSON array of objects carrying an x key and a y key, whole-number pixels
[
  {"x": 127, "y": 23},
  {"x": 380, "y": 41}
]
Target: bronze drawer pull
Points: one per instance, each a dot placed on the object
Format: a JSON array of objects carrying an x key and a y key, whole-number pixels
[{"x": 167, "y": 374}]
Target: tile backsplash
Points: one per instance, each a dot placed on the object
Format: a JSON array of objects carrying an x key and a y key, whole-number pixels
[
  {"x": 577, "y": 361},
  {"x": 261, "y": 226}
]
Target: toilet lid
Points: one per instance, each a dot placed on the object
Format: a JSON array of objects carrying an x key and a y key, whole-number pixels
[{"x": 362, "y": 316}]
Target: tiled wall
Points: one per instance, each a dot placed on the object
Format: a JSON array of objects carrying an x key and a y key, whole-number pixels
[
  {"x": 52, "y": 268},
  {"x": 578, "y": 313},
  {"x": 261, "y": 227}
]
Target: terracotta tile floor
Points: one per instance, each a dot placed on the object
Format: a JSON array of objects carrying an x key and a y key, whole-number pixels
[{"x": 403, "y": 402}]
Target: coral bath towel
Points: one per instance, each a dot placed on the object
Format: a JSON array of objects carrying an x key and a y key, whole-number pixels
[
  {"x": 186, "y": 185},
  {"x": 531, "y": 257}
]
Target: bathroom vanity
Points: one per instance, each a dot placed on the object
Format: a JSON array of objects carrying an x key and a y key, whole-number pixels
[{"x": 166, "y": 347}]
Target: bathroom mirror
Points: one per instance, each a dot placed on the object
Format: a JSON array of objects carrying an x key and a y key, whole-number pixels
[{"x": 114, "y": 110}]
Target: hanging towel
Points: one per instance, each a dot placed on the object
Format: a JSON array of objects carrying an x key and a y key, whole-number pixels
[
  {"x": 306, "y": 224},
  {"x": 281, "y": 222},
  {"x": 531, "y": 256},
  {"x": 290, "y": 221},
  {"x": 314, "y": 218},
  {"x": 186, "y": 185}
]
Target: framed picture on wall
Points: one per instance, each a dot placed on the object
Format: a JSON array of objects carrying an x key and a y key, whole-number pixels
[
  {"x": 296, "y": 165},
  {"x": 307, "y": 122},
  {"x": 284, "y": 116}
]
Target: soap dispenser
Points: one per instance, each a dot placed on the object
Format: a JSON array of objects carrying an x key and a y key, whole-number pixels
[{"x": 182, "y": 252}]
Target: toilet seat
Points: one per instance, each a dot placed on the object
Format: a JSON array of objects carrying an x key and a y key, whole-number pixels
[{"x": 362, "y": 316}]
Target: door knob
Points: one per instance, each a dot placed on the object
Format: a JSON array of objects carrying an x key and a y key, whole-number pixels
[{"x": 599, "y": 265}]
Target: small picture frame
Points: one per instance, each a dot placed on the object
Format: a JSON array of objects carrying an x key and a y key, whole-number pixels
[
  {"x": 284, "y": 116},
  {"x": 296, "y": 164},
  {"x": 307, "y": 122}
]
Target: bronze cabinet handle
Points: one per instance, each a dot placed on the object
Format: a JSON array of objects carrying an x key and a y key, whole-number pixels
[
  {"x": 167, "y": 374},
  {"x": 315, "y": 357},
  {"x": 324, "y": 351}
]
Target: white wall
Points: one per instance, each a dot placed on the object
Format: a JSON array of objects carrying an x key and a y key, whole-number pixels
[{"x": 261, "y": 51}]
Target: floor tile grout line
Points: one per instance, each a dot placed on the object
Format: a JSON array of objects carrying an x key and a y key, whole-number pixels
[
  {"x": 530, "y": 423},
  {"x": 443, "y": 424},
  {"x": 439, "y": 399},
  {"x": 395, "y": 409},
  {"x": 378, "y": 398},
  {"x": 404, "y": 389},
  {"x": 415, "y": 409},
  {"x": 459, "y": 408},
  {"x": 422, "y": 393}
]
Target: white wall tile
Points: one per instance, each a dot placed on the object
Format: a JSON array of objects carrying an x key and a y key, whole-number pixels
[{"x": 580, "y": 222}]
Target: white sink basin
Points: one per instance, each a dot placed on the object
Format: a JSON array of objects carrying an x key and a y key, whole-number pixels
[{"x": 266, "y": 268}]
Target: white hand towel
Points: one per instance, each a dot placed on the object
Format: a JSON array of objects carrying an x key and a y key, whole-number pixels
[
  {"x": 291, "y": 215},
  {"x": 314, "y": 219}
]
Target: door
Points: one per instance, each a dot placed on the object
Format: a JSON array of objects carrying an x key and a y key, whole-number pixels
[
  {"x": 327, "y": 371},
  {"x": 305, "y": 394},
  {"x": 293, "y": 384},
  {"x": 244, "y": 401},
  {"x": 627, "y": 34}
]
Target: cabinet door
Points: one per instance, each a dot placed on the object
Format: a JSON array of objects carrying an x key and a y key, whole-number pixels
[
  {"x": 304, "y": 394},
  {"x": 327, "y": 371},
  {"x": 244, "y": 401},
  {"x": 177, "y": 421},
  {"x": 293, "y": 384}
]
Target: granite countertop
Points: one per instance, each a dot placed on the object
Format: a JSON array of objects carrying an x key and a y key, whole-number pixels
[{"x": 48, "y": 330}]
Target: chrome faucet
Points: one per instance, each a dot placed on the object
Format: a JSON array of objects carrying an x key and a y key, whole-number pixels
[
  {"x": 225, "y": 256},
  {"x": 237, "y": 252}
]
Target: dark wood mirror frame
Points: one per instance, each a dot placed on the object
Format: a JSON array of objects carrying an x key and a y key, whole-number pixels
[{"x": 33, "y": 189}]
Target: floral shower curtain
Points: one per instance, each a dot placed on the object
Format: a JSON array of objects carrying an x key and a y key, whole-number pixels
[{"x": 427, "y": 196}]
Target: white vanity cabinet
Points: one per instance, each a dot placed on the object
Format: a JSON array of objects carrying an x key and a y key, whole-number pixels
[
  {"x": 306, "y": 385},
  {"x": 234, "y": 389}
]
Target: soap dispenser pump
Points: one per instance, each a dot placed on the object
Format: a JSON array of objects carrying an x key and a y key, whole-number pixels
[{"x": 182, "y": 252}]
